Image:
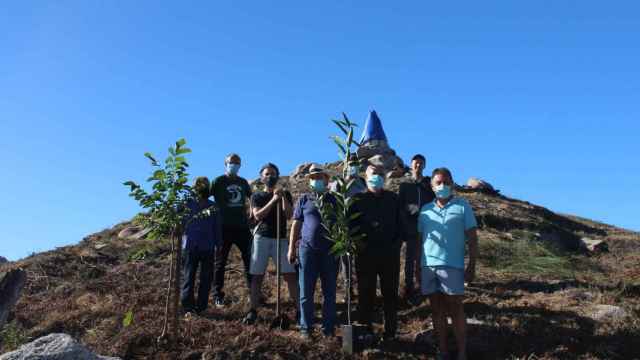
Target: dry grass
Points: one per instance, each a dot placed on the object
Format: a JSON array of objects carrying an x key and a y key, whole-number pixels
[{"x": 533, "y": 301}]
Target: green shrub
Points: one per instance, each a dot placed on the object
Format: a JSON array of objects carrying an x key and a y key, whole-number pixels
[
  {"x": 525, "y": 256},
  {"x": 12, "y": 336}
]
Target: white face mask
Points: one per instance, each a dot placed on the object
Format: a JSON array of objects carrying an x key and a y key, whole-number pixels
[{"x": 442, "y": 191}]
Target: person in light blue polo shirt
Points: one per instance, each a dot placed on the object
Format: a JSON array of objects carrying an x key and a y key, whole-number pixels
[{"x": 446, "y": 225}]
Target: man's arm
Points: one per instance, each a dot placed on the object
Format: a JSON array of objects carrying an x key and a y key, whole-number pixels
[
  {"x": 262, "y": 212},
  {"x": 293, "y": 238},
  {"x": 472, "y": 241}
]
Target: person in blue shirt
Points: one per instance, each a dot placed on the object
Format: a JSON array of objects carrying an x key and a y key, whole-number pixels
[
  {"x": 201, "y": 235},
  {"x": 446, "y": 225},
  {"x": 316, "y": 261}
]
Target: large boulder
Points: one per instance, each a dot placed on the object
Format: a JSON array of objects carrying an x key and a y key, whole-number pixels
[
  {"x": 301, "y": 170},
  {"x": 480, "y": 185},
  {"x": 133, "y": 232},
  {"x": 607, "y": 313},
  {"x": 54, "y": 347},
  {"x": 11, "y": 284}
]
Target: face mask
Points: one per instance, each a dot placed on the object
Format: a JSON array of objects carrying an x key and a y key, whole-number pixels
[
  {"x": 232, "y": 169},
  {"x": 375, "y": 182},
  {"x": 318, "y": 185},
  {"x": 270, "y": 181},
  {"x": 353, "y": 170},
  {"x": 443, "y": 191}
]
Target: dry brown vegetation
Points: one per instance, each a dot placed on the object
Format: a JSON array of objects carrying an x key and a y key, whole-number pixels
[{"x": 532, "y": 298}]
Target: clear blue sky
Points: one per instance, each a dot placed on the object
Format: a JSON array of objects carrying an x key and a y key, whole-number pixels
[{"x": 540, "y": 98}]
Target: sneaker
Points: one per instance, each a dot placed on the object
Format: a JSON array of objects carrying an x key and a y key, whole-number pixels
[
  {"x": 251, "y": 317},
  {"x": 219, "y": 302}
]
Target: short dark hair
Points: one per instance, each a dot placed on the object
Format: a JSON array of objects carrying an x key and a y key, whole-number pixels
[
  {"x": 270, "y": 165},
  {"x": 442, "y": 171},
  {"x": 232, "y": 156},
  {"x": 419, "y": 157}
]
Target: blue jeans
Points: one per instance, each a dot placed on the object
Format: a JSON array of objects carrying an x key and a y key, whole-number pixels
[{"x": 314, "y": 264}]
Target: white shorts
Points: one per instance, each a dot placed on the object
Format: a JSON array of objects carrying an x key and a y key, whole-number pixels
[
  {"x": 264, "y": 248},
  {"x": 442, "y": 279}
]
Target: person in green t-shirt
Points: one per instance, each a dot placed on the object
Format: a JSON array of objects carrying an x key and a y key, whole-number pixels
[{"x": 231, "y": 193}]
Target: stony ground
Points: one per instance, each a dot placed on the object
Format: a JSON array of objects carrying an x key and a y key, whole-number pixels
[{"x": 536, "y": 297}]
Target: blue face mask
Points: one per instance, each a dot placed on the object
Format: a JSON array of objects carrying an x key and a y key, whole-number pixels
[
  {"x": 443, "y": 191},
  {"x": 375, "y": 182},
  {"x": 318, "y": 185},
  {"x": 232, "y": 168}
]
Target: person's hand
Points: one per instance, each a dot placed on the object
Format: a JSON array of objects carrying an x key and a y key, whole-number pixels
[
  {"x": 291, "y": 256},
  {"x": 470, "y": 273}
]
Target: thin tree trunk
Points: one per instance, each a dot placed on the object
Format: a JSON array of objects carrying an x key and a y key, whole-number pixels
[
  {"x": 175, "y": 331},
  {"x": 167, "y": 305}
]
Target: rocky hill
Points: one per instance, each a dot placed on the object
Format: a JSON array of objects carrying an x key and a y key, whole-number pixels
[{"x": 542, "y": 292}]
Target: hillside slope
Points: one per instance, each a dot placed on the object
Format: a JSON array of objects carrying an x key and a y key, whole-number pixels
[{"x": 537, "y": 295}]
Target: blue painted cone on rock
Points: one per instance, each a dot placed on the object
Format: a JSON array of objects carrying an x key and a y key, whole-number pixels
[{"x": 373, "y": 131}]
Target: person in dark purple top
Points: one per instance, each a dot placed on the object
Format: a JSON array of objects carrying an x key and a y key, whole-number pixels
[
  {"x": 316, "y": 261},
  {"x": 201, "y": 235}
]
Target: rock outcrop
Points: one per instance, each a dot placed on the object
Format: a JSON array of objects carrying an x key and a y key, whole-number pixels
[
  {"x": 54, "y": 347},
  {"x": 11, "y": 284}
]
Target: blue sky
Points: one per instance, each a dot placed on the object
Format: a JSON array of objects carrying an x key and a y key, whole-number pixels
[{"x": 540, "y": 98}]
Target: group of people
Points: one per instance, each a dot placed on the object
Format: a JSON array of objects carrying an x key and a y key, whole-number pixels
[{"x": 436, "y": 226}]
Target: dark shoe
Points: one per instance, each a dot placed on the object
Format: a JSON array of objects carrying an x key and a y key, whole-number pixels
[
  {"x": 387, "y": 338},
  {"x": 328, "y": 334},
  {"x": 251, "y": 318},
  {"x": 219, "y": 302},
  {"x": 200, "y": 311},
  {"x": 188, "y": 310},
  {"x": 408, "y": 293}
]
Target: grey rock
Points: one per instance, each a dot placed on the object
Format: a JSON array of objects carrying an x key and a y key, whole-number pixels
[
  {"x": 607, "y": 313},
  {"x": 11, "y": 284},
  {"x": 301, "y": 170},
  {"x": 133, "y": 233},
  {"x": 593, "y": 245},
  {"x": 54, "y": 347},
  {"x": 475, "y": 183}
]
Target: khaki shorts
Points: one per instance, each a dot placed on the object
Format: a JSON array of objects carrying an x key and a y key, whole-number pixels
[{"x": 264, "y": 248}]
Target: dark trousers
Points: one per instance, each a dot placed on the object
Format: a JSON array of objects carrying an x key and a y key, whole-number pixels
[
  {"x": 386, "y": 266},
  {"x": 240, "y": 237},
  {"x": 192, "y": 260},
  {"x": 316, "y": 264},
  {"x": 410, "y": 261}
]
